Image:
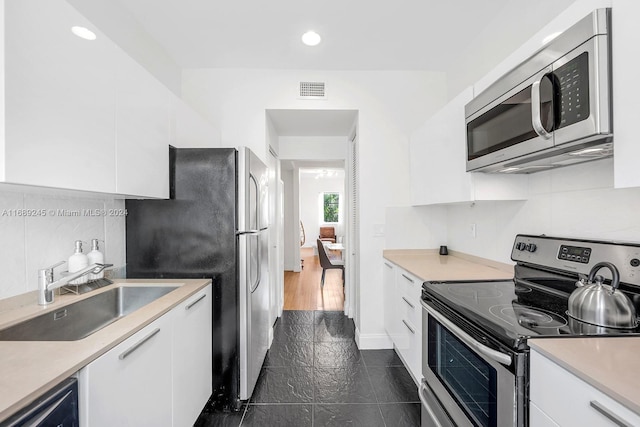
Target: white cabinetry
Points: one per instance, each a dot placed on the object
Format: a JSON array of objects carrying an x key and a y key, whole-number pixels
[
  {"x": 83, "y": 115},
  {"x": 626, "y": 92},
  {"x": 59, "y": 99},
  {"x": 390, "y": 296},
  {"x": 438, "y": 167},
  {"x": 143, "y": 132},
  {"x": 130, "y": 385},
  {"x": 192, "y": 354},
  {"x": 559, "y": 397},
  {"x": 160, "y": 376},
  {"x": 402, "y": 315}
]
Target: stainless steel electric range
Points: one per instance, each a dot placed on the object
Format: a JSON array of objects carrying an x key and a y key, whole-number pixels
[{"x": 475, "y": 357}]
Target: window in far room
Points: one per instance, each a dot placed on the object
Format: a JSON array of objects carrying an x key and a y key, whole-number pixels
[{"x": 330, "y": 207}]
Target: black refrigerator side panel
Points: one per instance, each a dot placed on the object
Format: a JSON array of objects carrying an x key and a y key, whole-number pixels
[{"x": 193, "y": 235}]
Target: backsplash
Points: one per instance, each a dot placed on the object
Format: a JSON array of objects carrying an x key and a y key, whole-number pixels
[
  {"x": 38, "y": 228},
  {"x": 576, "y": 201}
]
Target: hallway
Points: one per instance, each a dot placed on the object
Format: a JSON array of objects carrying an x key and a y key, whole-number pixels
[
  {"x": 302, "y": 290},
  {"x": 315, "y": 375}
]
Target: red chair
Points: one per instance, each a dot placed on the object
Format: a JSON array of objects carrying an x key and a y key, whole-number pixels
[{"x": 327, "y": 234}]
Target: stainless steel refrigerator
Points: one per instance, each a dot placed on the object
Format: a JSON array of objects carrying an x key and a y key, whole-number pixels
[{"x": 215, "y": 225}]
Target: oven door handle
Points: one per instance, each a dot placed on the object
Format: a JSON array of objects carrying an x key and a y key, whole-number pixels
[
  {"x": 498, "y": 356},
  {"x": 424, "y": 389}
]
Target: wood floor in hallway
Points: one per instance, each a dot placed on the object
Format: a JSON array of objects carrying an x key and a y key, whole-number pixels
[{"x": 302, "y": 291}]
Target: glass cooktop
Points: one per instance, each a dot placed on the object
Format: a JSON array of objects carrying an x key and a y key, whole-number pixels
[{"x": 511, "y": 311}]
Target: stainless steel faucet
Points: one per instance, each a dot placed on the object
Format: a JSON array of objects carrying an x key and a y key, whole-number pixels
[{"x": 46, "y": 285}]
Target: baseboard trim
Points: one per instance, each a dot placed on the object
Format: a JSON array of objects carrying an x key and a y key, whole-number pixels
[{"x": 373, "y": 341}]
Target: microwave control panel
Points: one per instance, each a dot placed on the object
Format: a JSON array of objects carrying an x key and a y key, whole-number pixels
[{"x": 573, "y": 78}]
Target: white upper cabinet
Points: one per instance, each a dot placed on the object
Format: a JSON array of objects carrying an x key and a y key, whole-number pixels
[
  {"x": 59, "y": 99},
  {"x": 438, "y": 165},
  {"x": 626, "y": 92},
  {"x": 80, "y": 114},
  {"x": 143, "y": 132}
]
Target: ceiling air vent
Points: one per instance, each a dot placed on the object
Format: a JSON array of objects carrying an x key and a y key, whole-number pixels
[{"x": 312, "y": 90}]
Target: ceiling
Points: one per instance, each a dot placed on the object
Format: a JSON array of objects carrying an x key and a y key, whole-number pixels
[
  {"x": 356, "y": 34},
  {"x": 313, "y": 122}
]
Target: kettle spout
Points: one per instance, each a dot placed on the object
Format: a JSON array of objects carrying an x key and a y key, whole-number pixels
[{"x": 582, "y": 281}]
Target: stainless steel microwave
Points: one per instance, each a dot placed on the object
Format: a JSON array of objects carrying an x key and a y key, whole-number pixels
[{"x": 552, "y": 110}]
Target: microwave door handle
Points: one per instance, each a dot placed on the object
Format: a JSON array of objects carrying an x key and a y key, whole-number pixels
[{"x": 536, "y": 118}]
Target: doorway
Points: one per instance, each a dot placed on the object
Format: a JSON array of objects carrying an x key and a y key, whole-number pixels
[
  {"x": 321, "y": 206},
  {"x": 314, "y": 145}
]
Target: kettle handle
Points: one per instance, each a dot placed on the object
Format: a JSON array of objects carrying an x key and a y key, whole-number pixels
[{"x": 615, "y": 275}]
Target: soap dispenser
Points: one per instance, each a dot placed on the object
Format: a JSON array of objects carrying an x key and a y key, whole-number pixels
[
  {"x": 77, "y": 262},
  {"x": 95, "y": 257}
]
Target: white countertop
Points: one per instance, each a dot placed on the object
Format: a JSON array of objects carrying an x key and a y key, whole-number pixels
[{"x": 29, "y": 369}]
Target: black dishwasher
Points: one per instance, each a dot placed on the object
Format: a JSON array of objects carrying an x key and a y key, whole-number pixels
[{"x": 57, "y": 408}]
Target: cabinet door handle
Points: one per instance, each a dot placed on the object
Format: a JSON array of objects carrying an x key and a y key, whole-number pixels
[
  {"x": 388, "y": 265},
  {"x": 138, "y": 344},
  {"x": 408, "y": 303},
  {"x": 614, "y": 418},
  {"x": 409, "y": 327},
  {"x": 407, "y": 277},
  {"x": 195, "y": 302}
]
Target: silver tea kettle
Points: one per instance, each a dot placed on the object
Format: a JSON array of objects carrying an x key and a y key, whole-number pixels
[{"x": 600, "y": 304}]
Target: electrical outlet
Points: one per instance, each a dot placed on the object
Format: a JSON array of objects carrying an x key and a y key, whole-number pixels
[{"x": 472, "y": 230}]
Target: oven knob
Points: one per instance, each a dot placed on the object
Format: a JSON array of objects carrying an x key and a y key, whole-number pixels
[
  {"x": 532, "y": 247},
  {"x": 520, "y": 246},
  {"x": 635, "y": 262}
]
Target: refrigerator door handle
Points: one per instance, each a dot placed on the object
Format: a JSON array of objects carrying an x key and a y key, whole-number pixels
[
  {"x": 245, "y": 232},
  {"x": 259, "y": 264},
  {"x": 256, "y": 184}
]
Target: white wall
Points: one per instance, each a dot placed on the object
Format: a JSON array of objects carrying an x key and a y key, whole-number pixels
[
  {"x": 313, "y": 148},
  {"x": 390, "y": 105},
  {"x": 30, "y": 243},
  {"x": 511, "y": 27},
  {"x": 311, "y": 190},
  {"x": 415, "y": 227},
  {"x": 291, "y": 235}
]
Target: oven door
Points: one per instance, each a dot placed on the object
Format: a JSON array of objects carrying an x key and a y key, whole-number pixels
[{"x": 467, "y": 383}]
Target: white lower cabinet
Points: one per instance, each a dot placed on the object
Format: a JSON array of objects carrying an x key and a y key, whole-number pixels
[
  {"x": 130, "y": 385},
  {"x": 160, "y": 376},
  {"x": 538, "y": 418},
  {"x": 559, "y": 398},
  {"x": 192, "y": 353},
  {"x": 402, "y": 315},
  {"x": 390, "y": 294}
]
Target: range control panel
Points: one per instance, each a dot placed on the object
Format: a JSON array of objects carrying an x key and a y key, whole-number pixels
[
  {"x": 575, "y": 253},
  {"x": 579, "y": 256}
]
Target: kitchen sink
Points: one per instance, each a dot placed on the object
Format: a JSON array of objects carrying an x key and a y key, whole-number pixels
[{"x": 81, "y": 319}]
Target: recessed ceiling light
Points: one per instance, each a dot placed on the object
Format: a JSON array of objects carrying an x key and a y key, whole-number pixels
[
  {"x": 311, "y": 38},
  {"x": 83, "y": 33}
]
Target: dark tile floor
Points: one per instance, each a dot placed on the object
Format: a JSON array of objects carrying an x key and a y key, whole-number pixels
[{"x": 314, "y": 375}]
